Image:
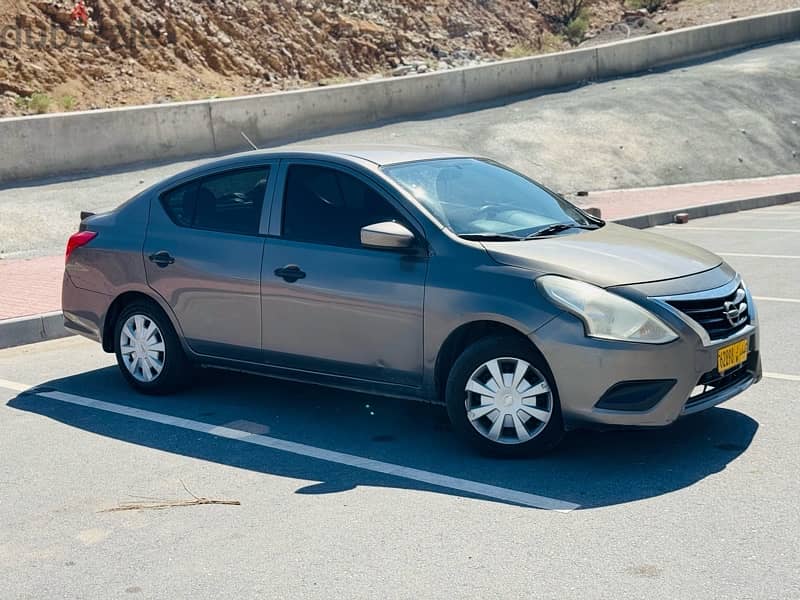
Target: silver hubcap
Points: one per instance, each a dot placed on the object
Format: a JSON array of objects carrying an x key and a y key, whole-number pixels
[
  {"x": 142, "y": 347},
  {"x": 508, "y": 401}
]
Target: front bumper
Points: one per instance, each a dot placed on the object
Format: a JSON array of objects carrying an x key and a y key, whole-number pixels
[{"x": 645, "y": 385}]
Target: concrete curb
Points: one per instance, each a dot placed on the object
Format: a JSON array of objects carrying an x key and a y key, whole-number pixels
[
  {"x": 50, "y": 326},
  {"x": 33, "y": 328},
  {"x": 646, "y": 220}
]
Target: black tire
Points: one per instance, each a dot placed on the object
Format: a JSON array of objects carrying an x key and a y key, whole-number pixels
[
  {"x": 176, "y": 371},
  {"x": 456, "y": 397}
]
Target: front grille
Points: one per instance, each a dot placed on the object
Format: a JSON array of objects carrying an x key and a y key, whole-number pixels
[
  {"x": 712, "y": 383},
  {"x": 717, "y": 384},
  {"x": 720, "y": 317}
]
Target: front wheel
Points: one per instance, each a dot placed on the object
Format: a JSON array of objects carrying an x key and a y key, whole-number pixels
[
  {"x": 501, "y": 398},
  {"x": 148, "y": 351}
]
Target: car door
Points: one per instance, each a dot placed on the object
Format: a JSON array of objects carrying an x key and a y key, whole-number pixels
[
  {"x": 330, "y": 305},
  {"x": 203, "y": 252}
]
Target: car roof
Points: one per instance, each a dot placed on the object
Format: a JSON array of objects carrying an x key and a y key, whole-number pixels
[
  {"x": 374, "y": 155},
  {"x": 383, "y": 155},
  {"x": 378, "y": 154}
]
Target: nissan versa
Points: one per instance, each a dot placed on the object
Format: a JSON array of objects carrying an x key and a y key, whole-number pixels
[{"x": 416, "y": 273}]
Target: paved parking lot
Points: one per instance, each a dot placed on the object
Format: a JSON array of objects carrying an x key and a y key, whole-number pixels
[{"x": 354, "y": 496}]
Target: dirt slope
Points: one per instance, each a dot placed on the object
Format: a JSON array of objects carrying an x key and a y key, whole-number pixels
[{"x": 144, "y": 51}]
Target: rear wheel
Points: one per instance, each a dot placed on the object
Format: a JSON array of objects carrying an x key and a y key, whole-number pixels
[
  {"x": 501, "y": 398},
  {"x": 148, "y": 351}
]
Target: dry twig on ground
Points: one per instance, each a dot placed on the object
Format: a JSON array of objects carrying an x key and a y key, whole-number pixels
[{"x": 158, "y": 505}]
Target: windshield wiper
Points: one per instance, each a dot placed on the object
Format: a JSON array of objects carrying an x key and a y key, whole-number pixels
[
  {"x": 490, "y": 237},
  {"x": 557, "y": 227}
]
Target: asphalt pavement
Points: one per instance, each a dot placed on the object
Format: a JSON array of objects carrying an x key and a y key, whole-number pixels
[{"x": 355, "y": 496}]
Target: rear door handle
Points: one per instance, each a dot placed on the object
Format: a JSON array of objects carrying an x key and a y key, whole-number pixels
[
  {"x": 290, "y": 273},
  {"x": 162, "y": 258}
]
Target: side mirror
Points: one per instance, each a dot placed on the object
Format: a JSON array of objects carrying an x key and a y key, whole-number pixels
[{"x": 387, "y": 235}]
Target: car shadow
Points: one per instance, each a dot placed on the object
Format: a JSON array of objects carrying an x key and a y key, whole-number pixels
[{"x": 591, "y": 469}]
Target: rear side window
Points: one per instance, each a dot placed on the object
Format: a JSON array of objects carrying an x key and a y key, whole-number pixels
[
  {"x": 228, "y": 202},
  {"x": 326, "y": 206},
  {"x": 179, "y": 204}
]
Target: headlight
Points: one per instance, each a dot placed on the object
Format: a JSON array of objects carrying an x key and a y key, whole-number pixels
[{"x": 605, "y": 315}]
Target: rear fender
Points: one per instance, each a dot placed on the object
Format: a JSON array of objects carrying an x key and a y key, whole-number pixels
[{"x": 129, "y": 294}]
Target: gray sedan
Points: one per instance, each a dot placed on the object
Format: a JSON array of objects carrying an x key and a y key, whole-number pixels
[{"x": 415, "y": 273}]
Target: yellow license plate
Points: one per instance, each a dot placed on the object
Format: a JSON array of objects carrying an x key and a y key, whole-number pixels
[{"x": 732, "y": 356}]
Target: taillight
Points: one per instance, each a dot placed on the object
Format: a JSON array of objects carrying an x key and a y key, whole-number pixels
[{"x": 76, "y": 240}]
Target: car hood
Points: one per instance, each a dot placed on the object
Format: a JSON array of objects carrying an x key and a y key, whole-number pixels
[{"x": 610, "y": 256}]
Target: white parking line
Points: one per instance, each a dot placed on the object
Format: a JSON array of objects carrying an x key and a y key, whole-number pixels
[
  {"x": 775, "y": 256},
  {"x": 773, "y": 299},
  {"x": 13, "y": 385},
  {"x": 782, "y": 376},
  {"x": 756, "y": 230},
  {"x": 351, "y": 460}
]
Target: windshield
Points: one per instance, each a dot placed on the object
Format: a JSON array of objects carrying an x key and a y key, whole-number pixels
[{"x": 472, "y": 196}]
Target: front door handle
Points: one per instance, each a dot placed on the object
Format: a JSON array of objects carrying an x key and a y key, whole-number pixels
[
  {"x": 290, "y": 273},
  {"x": 162, "y": 258}
]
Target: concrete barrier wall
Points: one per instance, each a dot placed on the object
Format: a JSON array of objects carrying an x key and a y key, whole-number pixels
[
  {"x": 48, "y": 145},
  {"x": 638, "y": 54}
]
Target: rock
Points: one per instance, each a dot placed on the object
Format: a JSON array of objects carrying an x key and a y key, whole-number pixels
[
  {"x": 370, "y": 28},
  {"x": 402, "y": 70},
  {"x": 457, "y": 26},
  {"x": 318, "y": 18},
  {"x": 62, "y": 17}
]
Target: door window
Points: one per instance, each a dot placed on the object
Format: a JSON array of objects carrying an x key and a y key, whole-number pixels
[
  {"x": 326, "y": 206},
  {"x": 229, "y": 202}
]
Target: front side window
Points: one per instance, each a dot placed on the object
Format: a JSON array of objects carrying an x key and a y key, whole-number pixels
[
  {"x": 326, "y": 206},
  {"x": 473, "y": 196},
  {"x": 228, "y": 202}
]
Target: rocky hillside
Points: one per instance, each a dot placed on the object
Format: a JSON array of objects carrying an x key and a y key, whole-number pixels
[{"x": 144, "y": 51}]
